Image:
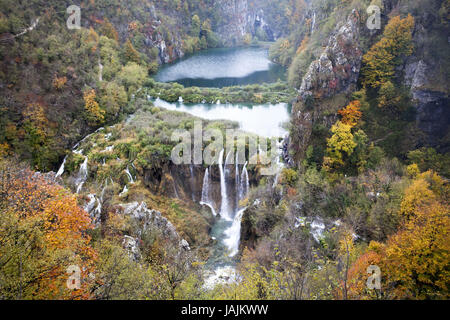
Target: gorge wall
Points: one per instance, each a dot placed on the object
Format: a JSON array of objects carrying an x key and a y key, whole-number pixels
[{"x": 334, "y": 75}]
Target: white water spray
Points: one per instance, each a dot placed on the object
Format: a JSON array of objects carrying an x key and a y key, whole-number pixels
[
  {"x": 244, "y": 185},
  {"x": 130, "y": 177},
  {"x": 224, "y": 208},
  {"x": 206, "y": 191},
  {"x": 82, "y": 175},
  {"x": 233, "y": 234},
  {"x": 61, "y": 169}
]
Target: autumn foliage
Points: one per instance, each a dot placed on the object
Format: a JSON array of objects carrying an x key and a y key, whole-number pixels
[
  {"x": 351, "y": 114},
  {"x": 380, "y": 62},
  {"x": 42, "y": 233},
  {"x": 414, "y": 261},
  {"x": 94, "y": 113}
]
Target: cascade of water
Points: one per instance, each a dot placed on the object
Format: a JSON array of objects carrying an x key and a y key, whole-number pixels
[
  {"x": 61, "y": 169},
  {"x": 130, "y": 177},
  {"x": 100, "y": 71},
  {"x": 224, "y": 209},
  {"x": 227, "y": 173},
  {"x": 236, "y": 179},
  {"x": 125, "y": 190},
  {"x": 244, "y": 186},
  {"x": 233, "y": 234},
  {"x": 90, "y": 205},
  {"x": 82, "y": 175},
  {"x": 313, "y": 22},
  {"x": 279, "y": 165},
  {"x": 98, "y": 209},
  {"x": 206, "y": 190}
]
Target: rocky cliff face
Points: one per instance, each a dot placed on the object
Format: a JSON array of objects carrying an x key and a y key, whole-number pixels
[
  {"x": 432, "y": 106},
  {"x": 424, "y": 76},
  {"x": 148, "y": 220},
  {"x": 245, "y": 17},
  {"x": 335, "y": 73},
  {"x": 234, "y": 11},
  {"x": 337, "y": 69}
]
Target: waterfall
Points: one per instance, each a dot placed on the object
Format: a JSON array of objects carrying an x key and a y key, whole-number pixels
[
  {"x": 206, "y": 199},
  {"x": 61, "y": 169},
  {"x": 90, "y": 205},
  {"x": 98, "y": 209},
  {"x": 100, "y": 71},
  {"x": 227, "y": 171},
  {"x": 82, "y": 175},
  {"x": 313, "y": 22},
  {"x": 244, "y": 186},
  {"x": 224, "y": 210},
  {"x": 280, "y": 165},
  {"x": 236, "y": 179},
  {"x": 130, "y": 177},
  {"x": 125, "y": 190},
  {"x": 234, "y": 234}
]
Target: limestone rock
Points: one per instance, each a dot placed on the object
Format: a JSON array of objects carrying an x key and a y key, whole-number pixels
[{"x": 338, "y": 67}]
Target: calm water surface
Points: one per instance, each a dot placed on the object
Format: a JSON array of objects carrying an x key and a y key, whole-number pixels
[
  {"x": 223, "y": 67},
  {"x": 265, "y": 120}
]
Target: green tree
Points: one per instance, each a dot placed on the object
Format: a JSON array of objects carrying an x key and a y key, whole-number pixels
[
  {"x": 131, "y": 54},
  {"x": 113, "y": 98},
  {"x": 132, "y": 76},
  {"x": 195, "y": 26}
]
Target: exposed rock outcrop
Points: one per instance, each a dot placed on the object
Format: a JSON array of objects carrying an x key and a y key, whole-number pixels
[
  {"x": 149, "y": 220},
  {"x": 234, "y": 11},
  {"x": 337, "y": 69},
  {"x": 335, "y": 73},
  {"x": 432, "y": 104},
  {"x": 245, "y": 18}
]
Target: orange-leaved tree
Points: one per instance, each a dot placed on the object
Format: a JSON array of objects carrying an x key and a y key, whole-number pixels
[
  {"x": 42, "y": 234},
  {"x": 351, "y": 114}
]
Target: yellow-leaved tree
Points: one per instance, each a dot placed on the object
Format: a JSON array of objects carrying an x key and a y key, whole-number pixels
[
  {"x": 340, "y": 146},
  {"x": 414, "y": 262},
  {"x": 380, "y": 61},
  {"x": 95, "y": 114}
]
